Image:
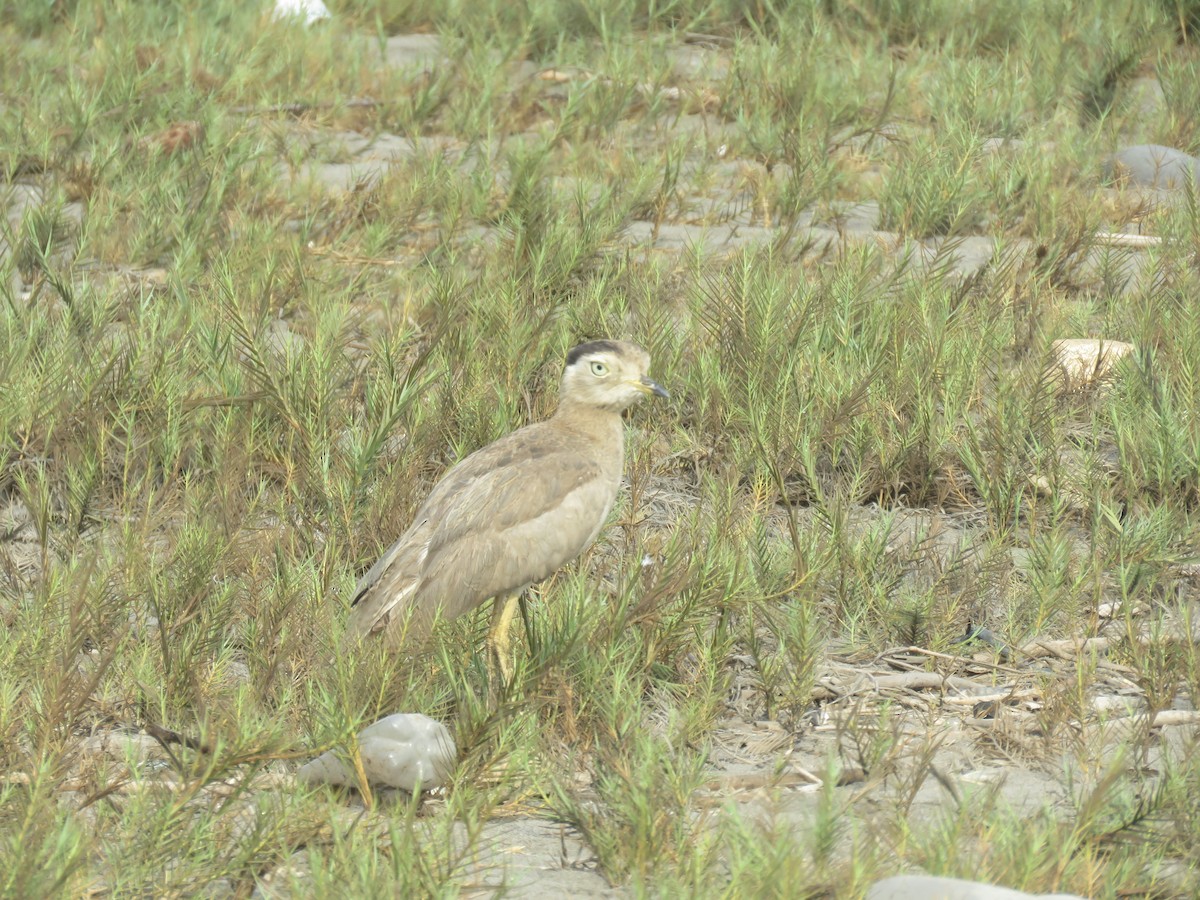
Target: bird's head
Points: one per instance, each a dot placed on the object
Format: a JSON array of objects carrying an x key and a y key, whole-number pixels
[{"x": 608, "y": 375}]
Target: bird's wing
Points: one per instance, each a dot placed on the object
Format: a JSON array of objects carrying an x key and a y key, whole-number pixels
[
  {"x": 506, "y": 516},
  {"x": 390, "y": 583}
]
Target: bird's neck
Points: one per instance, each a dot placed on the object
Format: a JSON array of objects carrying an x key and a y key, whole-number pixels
[{"x": 600, "y": 424}]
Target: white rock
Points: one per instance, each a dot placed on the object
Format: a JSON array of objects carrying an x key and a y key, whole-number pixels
[
  {"x": 1085, "y": 361},
  {"x": 311, "y": 10},
  {"x": 402, "y": 750}
]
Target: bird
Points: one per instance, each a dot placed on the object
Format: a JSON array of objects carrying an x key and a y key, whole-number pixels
[{"x": 512, "y": 513}]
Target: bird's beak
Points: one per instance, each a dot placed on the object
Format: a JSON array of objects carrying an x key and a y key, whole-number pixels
[{"x": 651, "y": 386}]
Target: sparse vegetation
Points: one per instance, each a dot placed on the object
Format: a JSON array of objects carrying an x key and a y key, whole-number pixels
[{"x": 260, "y": 284}]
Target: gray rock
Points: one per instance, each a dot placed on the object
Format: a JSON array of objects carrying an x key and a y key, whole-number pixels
[
  {"x": 929, "y": 887},
  {"x": 1153, "y": 166},
  {"x": 403, "y": 750}
]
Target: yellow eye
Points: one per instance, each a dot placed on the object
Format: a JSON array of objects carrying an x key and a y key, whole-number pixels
[{"x": 599, "y": 369}]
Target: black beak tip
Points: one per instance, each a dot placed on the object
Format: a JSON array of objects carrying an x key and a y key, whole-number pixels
[{"x": 655, "y": 388}]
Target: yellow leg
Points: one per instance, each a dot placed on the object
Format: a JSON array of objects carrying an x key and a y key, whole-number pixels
[{"x": 498, "y": 643}]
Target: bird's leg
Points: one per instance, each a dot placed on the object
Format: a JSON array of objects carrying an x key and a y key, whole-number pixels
[
  {"x": 523, "y": 605},
  {"x": 498, "y": 643}
]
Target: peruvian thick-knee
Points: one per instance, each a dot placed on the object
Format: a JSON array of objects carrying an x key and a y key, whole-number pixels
[{"x": 512, "y": 513}]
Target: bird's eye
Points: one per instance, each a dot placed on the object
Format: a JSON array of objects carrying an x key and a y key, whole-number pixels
[{"x": 599, "y": 369}]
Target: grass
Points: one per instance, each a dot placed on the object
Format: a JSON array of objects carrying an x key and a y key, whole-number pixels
[{"x": 226, "y": 385}]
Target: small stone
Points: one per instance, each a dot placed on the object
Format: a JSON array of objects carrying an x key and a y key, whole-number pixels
[{"x": 403, "y": 750}]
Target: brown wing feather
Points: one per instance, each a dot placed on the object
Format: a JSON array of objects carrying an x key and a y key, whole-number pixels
[{"x": 506, "y": 516}]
